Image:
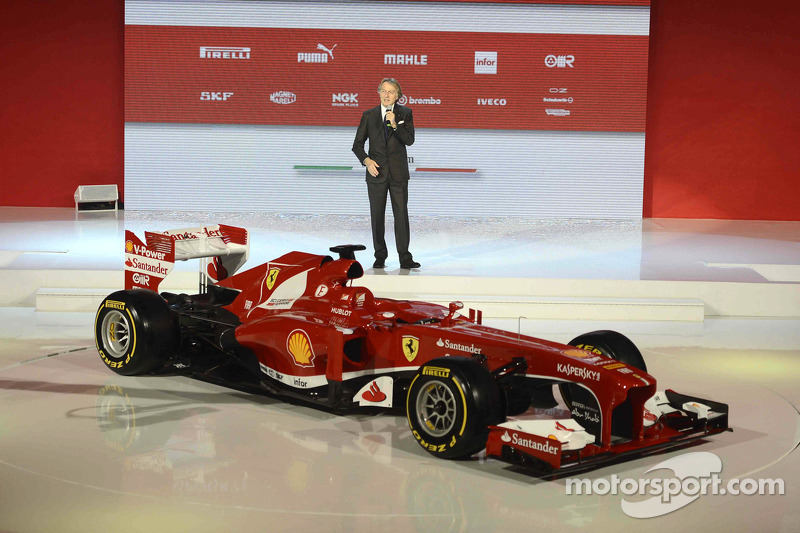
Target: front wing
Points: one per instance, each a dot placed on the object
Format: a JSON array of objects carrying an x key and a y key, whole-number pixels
[{"x": 547, "y": 455}]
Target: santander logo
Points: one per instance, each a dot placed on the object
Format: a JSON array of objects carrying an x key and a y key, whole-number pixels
[{"x": 374, "y": 394}]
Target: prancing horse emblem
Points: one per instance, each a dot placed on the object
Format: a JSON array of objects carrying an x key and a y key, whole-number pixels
[
  {"x": 272, "y": 275},
  {"x": 410, "y": 347}
]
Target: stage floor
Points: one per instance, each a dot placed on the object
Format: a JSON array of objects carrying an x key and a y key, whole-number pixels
[{"x": 83, "y": 449}]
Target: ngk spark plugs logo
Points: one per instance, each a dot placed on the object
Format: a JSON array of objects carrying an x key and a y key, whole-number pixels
[
  {"x": 345, "y": 100},
  {"x": 405, "y": 59},
  {"x": 324, "y": 56},
  {"x": 282, "y": 97},
  {"x": 224, "y": 52},
  {"x": 485, "y": 62},
  {"x": 561, "y": 61},
  {"x": 212, "y": 96}
]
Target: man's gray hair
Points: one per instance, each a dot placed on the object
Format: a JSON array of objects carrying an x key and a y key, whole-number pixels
[{"x": 393, "y": 82}]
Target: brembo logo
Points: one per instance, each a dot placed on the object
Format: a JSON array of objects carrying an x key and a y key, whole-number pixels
[
  {"x": 582, "y": 373},
  {"x": 224, "y": 52}
]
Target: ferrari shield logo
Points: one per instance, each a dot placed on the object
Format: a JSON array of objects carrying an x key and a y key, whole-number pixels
[
  {"x": 272, "y": 275},
  {"x": 410, "y": 347}
]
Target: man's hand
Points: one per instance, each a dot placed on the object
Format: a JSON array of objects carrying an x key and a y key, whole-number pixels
[
  {"x": 390, "y": 118},
  {"x": 372, "y": 167}
]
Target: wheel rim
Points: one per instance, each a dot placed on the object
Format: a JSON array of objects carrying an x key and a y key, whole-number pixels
[
  {"x": 116, "y": 331},
  {"x": 436, "y": 408}
]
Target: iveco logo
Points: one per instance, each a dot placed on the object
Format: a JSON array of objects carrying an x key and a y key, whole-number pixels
[{"x": 491, "y": 101}]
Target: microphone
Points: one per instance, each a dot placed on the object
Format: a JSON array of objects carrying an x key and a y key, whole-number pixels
[{"x": 388, "y": 122}]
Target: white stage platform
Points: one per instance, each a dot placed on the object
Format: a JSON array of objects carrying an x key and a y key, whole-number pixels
[
  {"x": 675, "y": 270},
  {"x": 711, "y": 304}
]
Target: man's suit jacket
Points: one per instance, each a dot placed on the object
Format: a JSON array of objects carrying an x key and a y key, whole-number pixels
[{"x": 391, "y": 156}]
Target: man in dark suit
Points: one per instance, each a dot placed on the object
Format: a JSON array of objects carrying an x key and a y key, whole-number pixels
[{"x": 389, "y": 128}]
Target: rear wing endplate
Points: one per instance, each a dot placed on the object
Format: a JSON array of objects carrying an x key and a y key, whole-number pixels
[{"x": 222, "y": 249}]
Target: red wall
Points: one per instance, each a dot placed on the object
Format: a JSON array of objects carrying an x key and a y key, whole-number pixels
[
  {"x": 723, "y": 120},
  {"x": 61, "y": 103}
]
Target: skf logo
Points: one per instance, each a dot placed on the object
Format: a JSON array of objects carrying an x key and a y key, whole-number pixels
[
  {"x": 559, "y": 61},
  {"x": 272, "y": 275},
  {"x": 410, "y": 347},
  {"x": 213, "y": 96},
  {"x": 224, "y": 52},
  {"x": 404, "y": 59},
  {"x": 345, "y": 100},
  {"x": 485, "y": 62},
  {"x": 299, "y": 346}
]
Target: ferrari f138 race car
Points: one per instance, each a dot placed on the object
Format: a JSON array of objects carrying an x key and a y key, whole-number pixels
[{"x": 297, "y": 328}]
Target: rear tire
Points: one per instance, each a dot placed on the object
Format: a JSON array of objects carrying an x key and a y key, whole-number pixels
[
  {"x": 135, "y": 332},
  {"x": 450, "y": 404}
]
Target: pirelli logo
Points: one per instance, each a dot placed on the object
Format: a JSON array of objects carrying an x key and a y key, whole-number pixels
[
  {"x": 436, "y": 371},
  {"x": 115, "y": 305}
]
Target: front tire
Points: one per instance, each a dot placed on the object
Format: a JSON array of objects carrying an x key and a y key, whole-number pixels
[
  {"x": 450, "y": 404},
  {"x": 615, "y": 346},
  {"x": 135, "y": 332}
]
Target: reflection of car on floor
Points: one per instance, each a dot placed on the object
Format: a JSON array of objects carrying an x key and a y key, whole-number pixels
[{"x": 297, "y": 328}]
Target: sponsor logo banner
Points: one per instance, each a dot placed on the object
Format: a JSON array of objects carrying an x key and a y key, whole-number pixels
[{"x": 605, "y": 75}]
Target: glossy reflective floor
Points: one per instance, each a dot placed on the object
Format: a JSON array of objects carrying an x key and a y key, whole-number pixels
[{"x": 82, "y": 449}]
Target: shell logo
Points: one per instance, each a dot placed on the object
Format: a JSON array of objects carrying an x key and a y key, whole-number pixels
[
  {"x": 299, "y": 346},
  {"x": 128, "y": 246}
]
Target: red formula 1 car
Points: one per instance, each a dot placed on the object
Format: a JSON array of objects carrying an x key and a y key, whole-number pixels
[{"x": 297, "y": 328}]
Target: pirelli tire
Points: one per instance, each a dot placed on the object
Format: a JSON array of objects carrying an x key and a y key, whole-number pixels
[
  {"x": 450, "y": 404},
  {"x": 135, "y": 332}
]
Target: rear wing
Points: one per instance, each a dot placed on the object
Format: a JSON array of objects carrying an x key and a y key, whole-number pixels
[{"x": 222, "y": 249}]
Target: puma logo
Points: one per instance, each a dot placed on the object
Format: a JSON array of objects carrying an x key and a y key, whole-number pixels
[{"x": 321, "y": 46}]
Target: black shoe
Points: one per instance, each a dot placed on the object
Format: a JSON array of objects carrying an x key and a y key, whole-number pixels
[
  {"x": 379, "y": 263},
  {"x": 410, "y": 265}
]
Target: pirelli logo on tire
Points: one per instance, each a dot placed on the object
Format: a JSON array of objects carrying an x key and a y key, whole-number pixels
[
  {"x": 436, "y": 371},
  {"x": 115, "y": 305}
]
